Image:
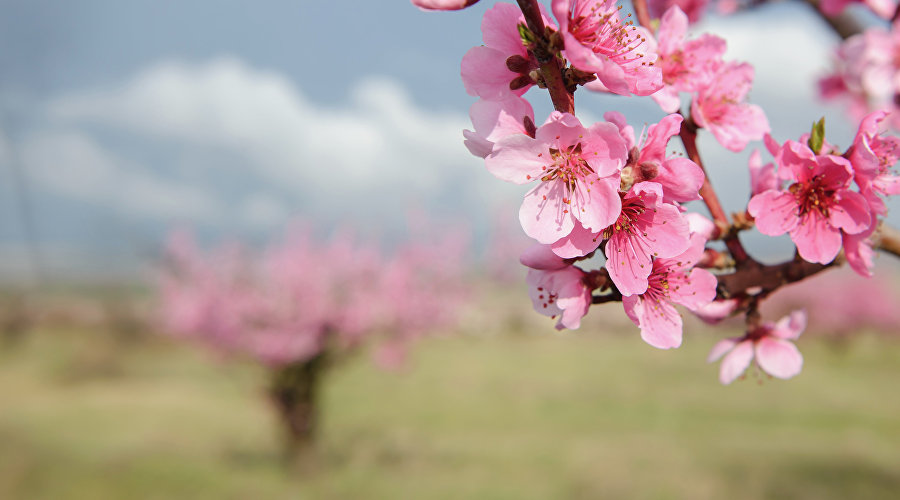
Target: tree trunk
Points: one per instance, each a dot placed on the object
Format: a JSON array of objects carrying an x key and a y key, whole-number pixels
[{"x": 294, "y": 391}]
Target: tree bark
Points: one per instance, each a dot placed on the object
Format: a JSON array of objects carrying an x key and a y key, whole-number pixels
[{"x": 294, "y": 391}]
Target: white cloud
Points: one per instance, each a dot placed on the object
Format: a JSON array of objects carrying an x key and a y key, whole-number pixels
[
  {"x": 377, "y": 141},
  {"x": 72, "y": 164}
]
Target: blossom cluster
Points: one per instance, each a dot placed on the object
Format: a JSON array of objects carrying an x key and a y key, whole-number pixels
[
  {"x": 600, "y": 189},
  {"x": 811, "y": 195},
  {"x": 866, "y": 73},
  {"x": 600, "y": 186},
  {"x": 304, "y": 296}
]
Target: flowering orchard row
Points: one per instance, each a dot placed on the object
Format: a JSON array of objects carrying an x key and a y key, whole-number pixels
[
  {"x": 306, "y": 303},
  {"x": 600, "y": 188}
]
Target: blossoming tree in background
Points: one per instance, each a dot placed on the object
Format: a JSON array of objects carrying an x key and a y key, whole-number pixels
[
  {"x": 306, "y": 303},
  {"x": 601, "y": 189}
]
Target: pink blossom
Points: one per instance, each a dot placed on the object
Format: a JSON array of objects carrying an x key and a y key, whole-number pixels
[
  {"x": 443, "y": 4},
  {"x": 719, "y": 107},
  {"x": 883, "y": 8},
  {"x": 671, "y": 281},
  {"x": 769, "y": 344},
  {"x": 858, "y": 247},
  {"x": 865, "y": 73},
  {"x": 646, "y": 228},
  {"x": 622, "y": 55},
  {"x": 577, "y": 171},
  {"x": 717, "y": 310},
  {"x": 693, "y": 8},
  {"x": 687, "y": 66},
  {"x": 556, "y": 288},
  {"x": 873, "y": 156},
  {"x": 499, "y": 67},
  {"x": 859, "y": 252},
  {"x": 679, "y": 177},
  {"x": 494, "y": 120},
  {"x": 303, "y": 296},
  {"x": 816, "y": 207},
  {"x": 762, "y": 177}
]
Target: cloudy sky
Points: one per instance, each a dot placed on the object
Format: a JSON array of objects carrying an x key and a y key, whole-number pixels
[{"x": 120, "y": 120}]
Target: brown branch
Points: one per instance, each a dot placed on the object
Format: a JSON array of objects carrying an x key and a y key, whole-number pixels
[
  {"x": 887, "y": 238},
  {"x": 614, "y": 296},
  {"x": 688, "y": 136},
  {"x": 551, "y": 70},
  {"x": 844, "y": 24},
  {"x": 763, "y": 280}
]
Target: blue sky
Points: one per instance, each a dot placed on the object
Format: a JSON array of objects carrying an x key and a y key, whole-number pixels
[{"x": 126, "y": 118}]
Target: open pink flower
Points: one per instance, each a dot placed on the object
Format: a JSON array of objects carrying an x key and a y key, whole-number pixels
[
  {"x": 622, "y": 55},
  {"x": 555, "y": 287},
  {"x": 679, "y": 177},
  {"x": 646, "y": 228},
  {"x": 769, "y": 344},
  {"x": 717, "y": 310},
  {"x": 577, "y": 171},
  {"x": 858, "y": 250},
  {"x": 720, "y": 107},
  {"x": 500, "y": 66},
  {"x": 672, "y": 281},
  {"x": 494, "y": 120},
  {"x": 686, "y": 66},
  {"x": 873, "y": 155},
  {"x": 816, "y": 207},
  {"x": 865, "y": 73}
]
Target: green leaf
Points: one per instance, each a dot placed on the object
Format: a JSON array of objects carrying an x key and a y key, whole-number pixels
[
  {"x": 526, "y": 35},
  {"x": 817, "y": 136}
]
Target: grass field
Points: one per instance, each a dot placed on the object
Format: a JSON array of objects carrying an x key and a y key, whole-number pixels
[{"x": 515, "y": 416}]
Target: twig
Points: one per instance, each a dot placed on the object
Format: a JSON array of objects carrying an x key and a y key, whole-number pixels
[
  {"x": 551, "y": 71},
  {"x": 688, "y": 135},
  {"x": 887, "y": 238},
  {"x": 844, "y": 24}
]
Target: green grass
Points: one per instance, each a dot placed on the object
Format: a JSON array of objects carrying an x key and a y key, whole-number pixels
[{"x": 584, "y": 415}]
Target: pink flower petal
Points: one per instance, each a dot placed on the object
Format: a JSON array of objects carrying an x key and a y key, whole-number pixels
[
  {"x": 681, "y": 179},
  {"x": 776, "y": 212},
  {"x": 791, "y": 326},
  {"x": 660, "y": 323},
  {"x": 597, "y": 202},
  {"x": 850, "y": 213},
  {"x": 658, "y": 135},
  {"x": 541, "y": 257},
  {"x": 722, "y": 347},
  {"x": 543, "y": 215},
  {"x": 762, "y": 177},
  {"x": 518, "y": 159},
  {"x": 628, "y": 266},
  {"x": 698, "y": 290},
  {"x": 579, "y": 242},
  {"x": 669, "y": 233},
  {"x": 778, "y": 358},
  {"x": 499, "y": 29},
  {"x": 484, "y": 74},
  {"x": 736, "y": 362},
  {"x": 816, "y": 239}
]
